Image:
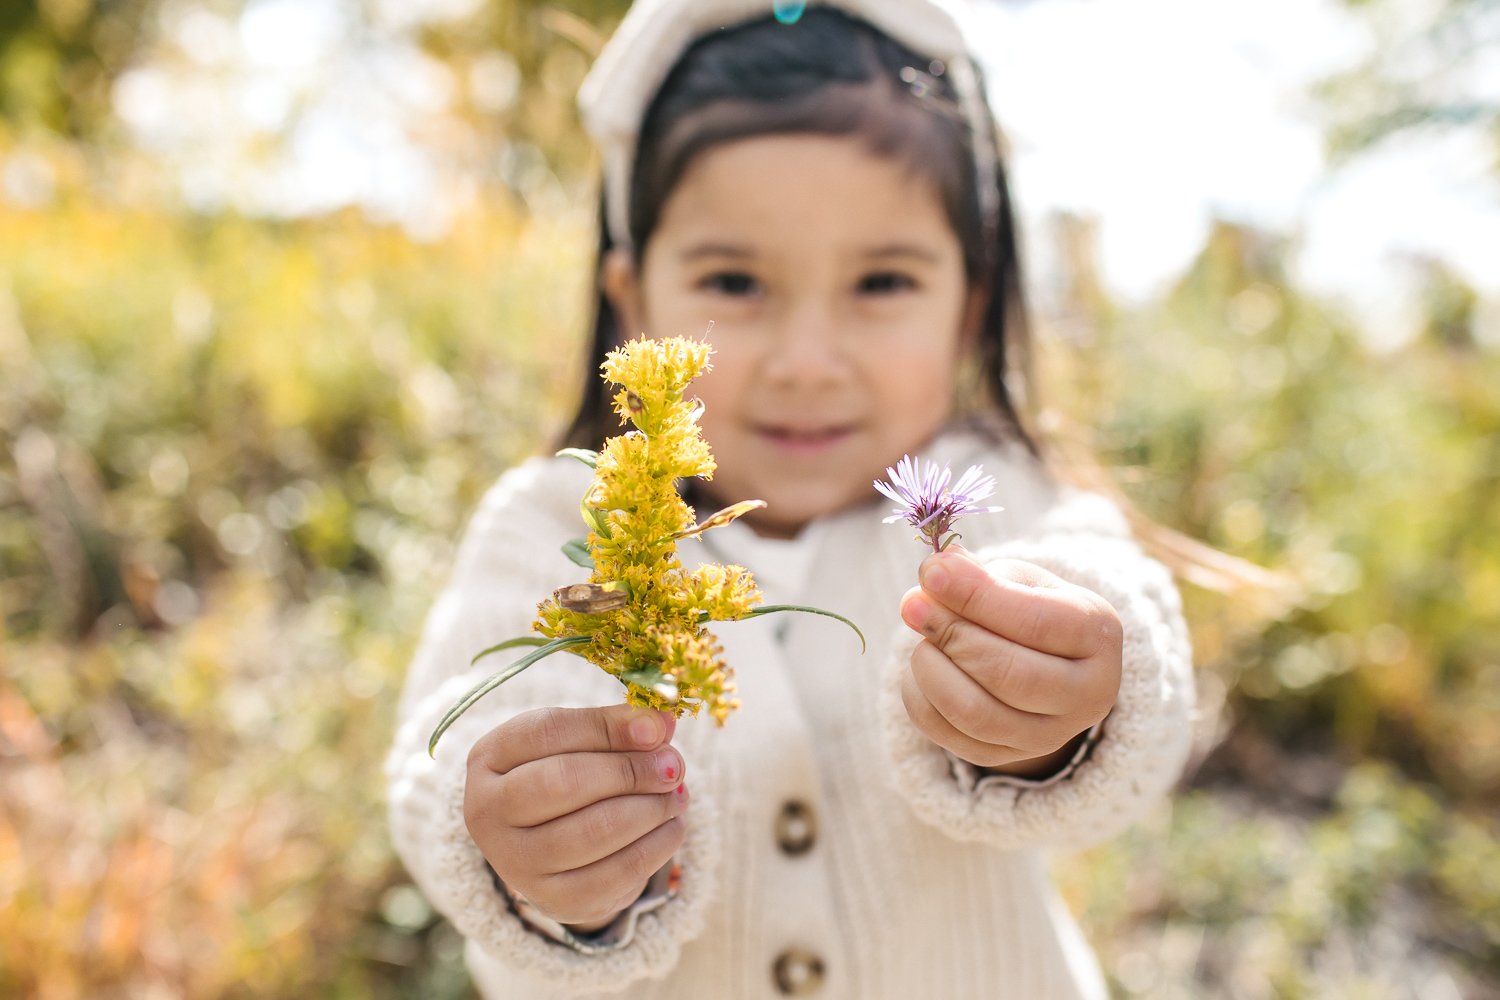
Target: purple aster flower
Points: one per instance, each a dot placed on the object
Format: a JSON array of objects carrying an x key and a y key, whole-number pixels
[{"x": 926, "y": 501}]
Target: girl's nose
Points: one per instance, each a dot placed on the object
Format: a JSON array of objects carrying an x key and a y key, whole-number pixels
[{"x": 807, "y": 347}]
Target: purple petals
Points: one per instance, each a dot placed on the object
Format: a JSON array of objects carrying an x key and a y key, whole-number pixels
[{"x": 926, "y": 501}]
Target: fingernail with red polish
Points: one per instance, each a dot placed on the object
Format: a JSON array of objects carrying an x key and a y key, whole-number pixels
[{"x": 667, "y": 764}]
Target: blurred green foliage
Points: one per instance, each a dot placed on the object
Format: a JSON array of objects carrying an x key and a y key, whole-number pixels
[
  {"x": 237, "y": 454},
  {"x": 1374, "y": 478},
  {"x": 1425, "y": 69},
  {"x": 1349, "y": 807}
]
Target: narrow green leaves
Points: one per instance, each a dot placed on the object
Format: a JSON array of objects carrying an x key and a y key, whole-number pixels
[
  {"x": 489, "y": 684},
  {"x": 771, "y": 609},
  {"x": 589, "y": 458},
  {"x": 524, "y": 640}
]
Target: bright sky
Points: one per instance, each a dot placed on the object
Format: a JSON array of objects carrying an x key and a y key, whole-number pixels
[
  {"x": 1153, "y": 115},
  {"x": 1156, "y": 115}
]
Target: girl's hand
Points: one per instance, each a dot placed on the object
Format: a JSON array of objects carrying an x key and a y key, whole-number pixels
[
  {"x": 576, "y": 809},
  {"x": 1016, "y": 664}
]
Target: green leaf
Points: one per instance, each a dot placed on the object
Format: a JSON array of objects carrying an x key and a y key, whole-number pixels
[
  {"x": 644, "y": 676},
  {"x": 594, "y": 518},
  {"x": 771, "y": 609},
  {"x": 577, "y": 550},
  {"x": 652, "y": 679},
  {"x": 489, "y": 684},
  {"x": 589, "y": 458},
  {"x": 524, "y": 640}
]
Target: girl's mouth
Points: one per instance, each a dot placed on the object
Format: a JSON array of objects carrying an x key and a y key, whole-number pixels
[{"x": 805, "y": 440}]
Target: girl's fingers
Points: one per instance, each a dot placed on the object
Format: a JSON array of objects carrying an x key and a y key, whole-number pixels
[
  {"x": 1021, "y": 677},
  {"x": 594, "y": 832},
  {"x": 601, "y": 889},
  {"x": 556, "y": 790},
  {"x": 940, "y": 731},
  {"x": 1022, "y": 602},
  {"x": 546, "y": 732},
  {"x": 972, "y": 713},
  {"x": 543, "y": 790}
]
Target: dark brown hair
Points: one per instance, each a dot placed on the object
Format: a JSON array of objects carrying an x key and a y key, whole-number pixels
[{"x": 829, "y": 74}]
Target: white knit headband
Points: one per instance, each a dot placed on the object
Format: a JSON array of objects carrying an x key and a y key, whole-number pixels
[{"x": 655, "y": 33}]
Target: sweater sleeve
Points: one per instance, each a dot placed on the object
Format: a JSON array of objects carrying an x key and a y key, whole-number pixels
[
  {"x": 1145, "y": 740},
  {"x": 506, "y": 563}
]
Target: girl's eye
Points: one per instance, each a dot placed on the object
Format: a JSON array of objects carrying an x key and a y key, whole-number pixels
[
  {"x": 885, "y": 283},
  {"x": 735, "y": 283}
]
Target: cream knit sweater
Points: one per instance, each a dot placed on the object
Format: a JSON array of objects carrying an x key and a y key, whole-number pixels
[{"x": 920, "y": 882}]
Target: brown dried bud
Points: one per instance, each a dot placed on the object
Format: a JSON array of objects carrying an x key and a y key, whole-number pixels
[
  {"x": 722, "y": 517},
  {"x": 633, "y": 402},
  {"x": 590, "y": 598}
]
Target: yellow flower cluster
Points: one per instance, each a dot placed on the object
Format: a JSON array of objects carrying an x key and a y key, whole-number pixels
[{"x": 655, "y": 641}]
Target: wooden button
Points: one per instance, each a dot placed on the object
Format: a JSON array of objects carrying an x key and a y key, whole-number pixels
[
  {"x": 796, "y": 828},
  {"x": 797, "y": 972}
]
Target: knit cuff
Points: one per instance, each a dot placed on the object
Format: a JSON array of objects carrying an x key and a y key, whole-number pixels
[
  {"x": 1139, "y": 753},
  {"x": 432, "y": 838},
  {"x": 617, "y": 934},
  {"x": 971, "y": 777}
]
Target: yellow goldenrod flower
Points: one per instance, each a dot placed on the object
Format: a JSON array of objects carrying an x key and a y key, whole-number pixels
[
  {"x": 657, "y": 643},
  {"x": 641, "y": 617}
]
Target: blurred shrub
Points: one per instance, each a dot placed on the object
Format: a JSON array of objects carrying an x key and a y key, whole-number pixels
[
  {"x": 1255, "y": 417},
  {"x": 1237, "y": 900},
  {"x": 237, "y": 458}
]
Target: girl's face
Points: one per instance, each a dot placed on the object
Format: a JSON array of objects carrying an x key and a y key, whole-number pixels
[{"x": 839, "y": 305}]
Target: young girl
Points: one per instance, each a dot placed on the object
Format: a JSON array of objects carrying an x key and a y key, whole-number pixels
[{"x": 828, "y": 195}]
